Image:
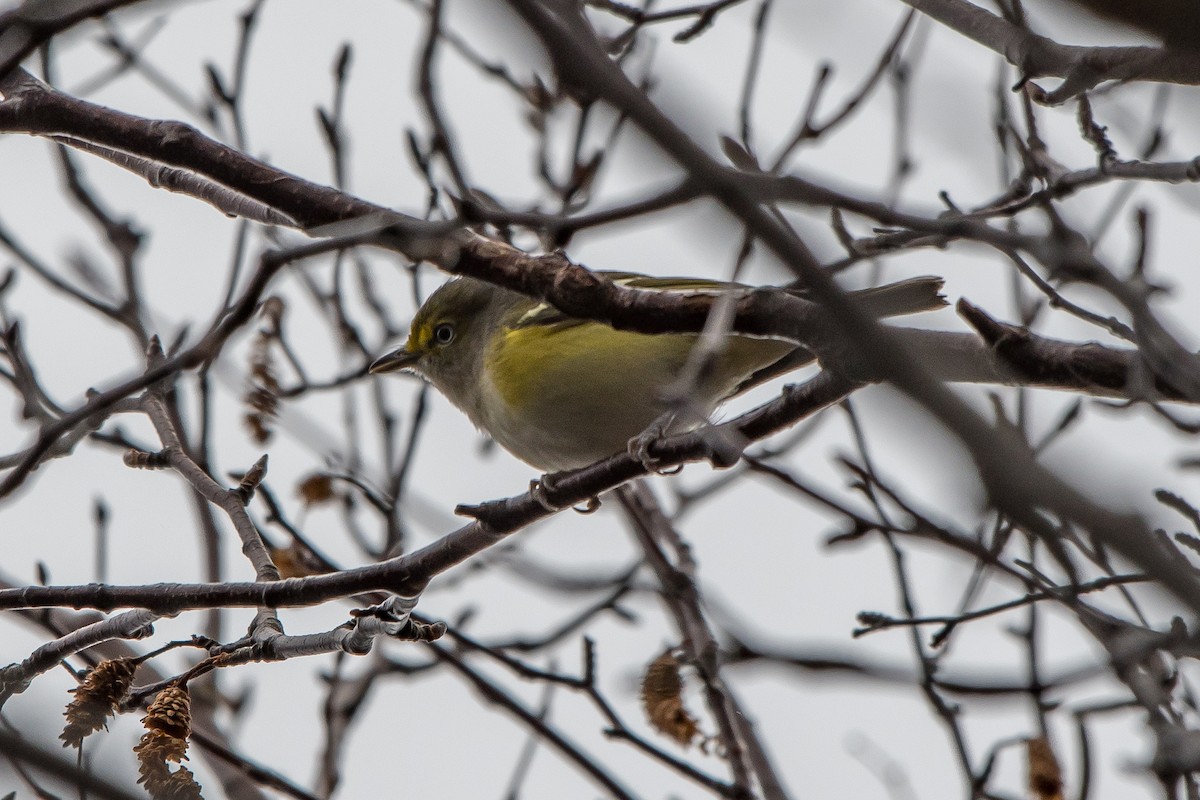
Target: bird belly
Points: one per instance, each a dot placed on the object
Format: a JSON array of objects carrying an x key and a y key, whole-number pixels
[{"x": 562, "y": 398}]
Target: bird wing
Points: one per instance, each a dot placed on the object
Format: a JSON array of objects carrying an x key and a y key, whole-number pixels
[{"x": 546, "y": 314}]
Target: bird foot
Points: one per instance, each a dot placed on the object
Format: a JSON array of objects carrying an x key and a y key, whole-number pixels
[
  {"x": 639, "y": 446},
  {"x": 540, "y": 489}
]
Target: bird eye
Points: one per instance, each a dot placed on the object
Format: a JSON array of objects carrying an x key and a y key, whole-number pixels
[{"x": 444, "y": 333}]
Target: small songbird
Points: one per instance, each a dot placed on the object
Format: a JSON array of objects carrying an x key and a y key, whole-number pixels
[{"x": 560, "y": 393}]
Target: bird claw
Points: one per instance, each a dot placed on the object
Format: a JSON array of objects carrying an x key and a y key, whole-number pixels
[
  {"x": 540, "y": 488},
  {"x": 639, "y": 446},
  {"x": 590, "y": 507}
]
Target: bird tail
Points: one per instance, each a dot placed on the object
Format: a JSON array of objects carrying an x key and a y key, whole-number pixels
[{"x": 895, "y": 299}]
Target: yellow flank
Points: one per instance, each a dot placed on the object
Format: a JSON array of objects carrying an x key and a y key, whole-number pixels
[{"x": 595, "y": 359}]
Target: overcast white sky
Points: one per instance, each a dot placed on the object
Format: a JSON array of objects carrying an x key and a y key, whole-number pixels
[{"x": 761, "y": 555}]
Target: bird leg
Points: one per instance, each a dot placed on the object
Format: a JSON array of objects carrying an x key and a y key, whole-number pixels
[{"x": 639, "y": 446}]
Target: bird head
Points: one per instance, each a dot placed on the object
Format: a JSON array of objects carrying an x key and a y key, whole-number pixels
[{"x": 449, "y": 336}]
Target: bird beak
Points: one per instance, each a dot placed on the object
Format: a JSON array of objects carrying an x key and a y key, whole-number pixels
[{"x": 393, "y": 362}]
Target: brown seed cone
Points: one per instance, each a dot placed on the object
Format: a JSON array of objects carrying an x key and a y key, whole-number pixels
[
  {"x": 139, "y": 459},
  {"x": 316, "y": 489},
  {"x": 154, "y": 750},
  {"x": 1045, "y": 777},
  {"x": 171, "y": 713},
  {"x": 158, "y": 747},
  {"x": 662, "y": 700},
  {"x": 262, "y": 394},
  {"x": 96, "y": 699},
  {"x": 295, "y": 561}
]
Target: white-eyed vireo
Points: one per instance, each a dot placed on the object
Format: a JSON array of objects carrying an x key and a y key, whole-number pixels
[{"x": 560, "y": 393}]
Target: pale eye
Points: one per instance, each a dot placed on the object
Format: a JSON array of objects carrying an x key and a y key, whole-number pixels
[{"x": 444, "y": 333}]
